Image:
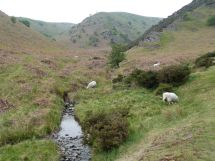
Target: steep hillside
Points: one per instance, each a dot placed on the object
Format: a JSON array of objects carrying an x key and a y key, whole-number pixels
[
  {"x": 34, "y": 72},
  {"x": 181, "y": 37},
  {"x": 17, "y": 37},
  {"x": 55, "y": 31},
  {"x": 153, "y": 34},
  {"x": 104, "y": 28}
]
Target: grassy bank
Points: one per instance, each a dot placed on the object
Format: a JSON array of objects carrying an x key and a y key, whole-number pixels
[
  {"x": 31, "y": 150},
  {"x": 31, "y": 89},
  {"x": 183, "y": 130}
]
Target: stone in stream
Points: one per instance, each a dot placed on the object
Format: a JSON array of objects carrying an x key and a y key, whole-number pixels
[{"x": 71, "y": 144}]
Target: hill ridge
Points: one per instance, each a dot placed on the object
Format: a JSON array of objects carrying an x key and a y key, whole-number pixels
[{"x": 104, "y": 28}]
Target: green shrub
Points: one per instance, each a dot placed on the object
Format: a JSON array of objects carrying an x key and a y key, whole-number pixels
[
  {"x": 25, "y": 22},
  {"x": 163, "y": 88},
  {"x": 175, "y": 74},
  {"x": 205, "y": 60},
  {"x": 13, "y": 19},
  {"x": 117, "y": 55},
  {"x": 144, "y": 79},
  {"x": 107, "y": 130},
  {"x": 211, "y": 21}
]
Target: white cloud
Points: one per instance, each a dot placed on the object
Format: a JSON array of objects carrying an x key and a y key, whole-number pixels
[{"x": 76, "y": 10}]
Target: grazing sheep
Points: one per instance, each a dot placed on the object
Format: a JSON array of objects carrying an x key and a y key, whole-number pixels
[
  {"x": 170, "y": 97},
  {"x": 91, "y": 84},
  {"x": 157, "y": 64}
]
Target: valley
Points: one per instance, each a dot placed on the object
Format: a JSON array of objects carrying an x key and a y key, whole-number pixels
[{"x": 121, "y": 118}]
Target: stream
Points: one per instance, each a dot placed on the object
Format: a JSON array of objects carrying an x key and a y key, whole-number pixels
[{"x": 70, "y": 138}]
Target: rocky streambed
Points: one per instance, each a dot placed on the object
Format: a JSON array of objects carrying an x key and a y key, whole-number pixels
[{"x": 70, "y": 138}]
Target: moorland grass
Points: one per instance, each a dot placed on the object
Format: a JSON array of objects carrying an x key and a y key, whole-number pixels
[
  {"x": 30, "y": 150},
  {"x": 149, "y": 115}
]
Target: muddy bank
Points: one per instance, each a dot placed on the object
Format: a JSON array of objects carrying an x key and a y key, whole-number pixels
[{"x": 70, "y": 138}]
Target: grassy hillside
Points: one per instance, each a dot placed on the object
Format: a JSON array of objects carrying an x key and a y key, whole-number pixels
[
  {"x": 31, "y": 88},
  {"x": 17, "y": 37},
  {"x": 187, "y": 38},
  {"x": 33, "y": 79},
  {"x": 54, "y": 31},
  {"x": 158, "y": 131},
  {"x": 104, "y": 28},
  {"x": 170, "y": 23}
]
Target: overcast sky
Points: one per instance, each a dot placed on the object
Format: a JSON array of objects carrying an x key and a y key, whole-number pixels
[{"x": 76, "y": 10}]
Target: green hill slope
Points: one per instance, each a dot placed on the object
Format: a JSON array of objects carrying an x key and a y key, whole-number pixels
[
  {"x": 56, "y": 31},
  {"x": 32, "y": 84},
  {"x": 182, "y": 39},
  {"x": 104, "y": 28},
  {"x": 168, "y": 24},
  {"x": 17, "y": 37}
]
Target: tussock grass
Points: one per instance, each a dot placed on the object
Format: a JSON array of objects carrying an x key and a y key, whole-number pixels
[
  {"x": 32, "y": 150},
  {"x": 150, "y": 118}
]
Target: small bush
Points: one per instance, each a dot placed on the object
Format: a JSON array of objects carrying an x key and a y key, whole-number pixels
[
  {"x": 25, "y": 22},
  {"x": 175, "y": 74},
  {"x": 13, "y": 19},
  {"x": 167, "y": 78},
  {"x": 163, "y": 88},
  {"x": 144, "y": 79},
  {"x": 205, "y": 60},
  {"x": 107, "y": 130},
  {"x": 211, "y": 21}
]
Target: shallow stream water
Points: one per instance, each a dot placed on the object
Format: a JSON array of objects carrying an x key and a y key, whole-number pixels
[{"x": 70, "y": 138}]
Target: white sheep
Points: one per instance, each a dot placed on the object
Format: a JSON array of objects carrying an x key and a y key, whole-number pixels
[
  {"x": 170, "y": 97},
  {"x": 157, "y": 64},
  {"x": 91, "y": 84}
]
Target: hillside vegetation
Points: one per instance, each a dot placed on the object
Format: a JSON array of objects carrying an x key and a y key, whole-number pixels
[
  {"x": 36, "y": 71},
  {"x": 15, "y": 36},
  {"x": 54, "y": 31},
  {"x": 184, "y": 39},
  {"x": 103, "y": 28}
]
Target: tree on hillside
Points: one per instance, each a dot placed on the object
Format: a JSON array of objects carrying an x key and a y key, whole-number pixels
[{"x": 117, "y": 55}]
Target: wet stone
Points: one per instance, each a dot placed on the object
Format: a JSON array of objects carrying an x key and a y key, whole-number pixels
[{"x": 70, "y": 138}]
